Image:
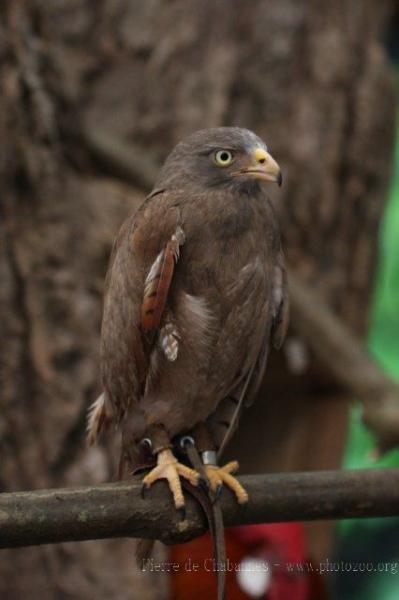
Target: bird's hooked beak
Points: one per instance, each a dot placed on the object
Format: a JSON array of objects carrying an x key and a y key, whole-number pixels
[{"x": 263, "y": 167}]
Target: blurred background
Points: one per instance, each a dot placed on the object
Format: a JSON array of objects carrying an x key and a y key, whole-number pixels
[{"x": 93, "y": 95}]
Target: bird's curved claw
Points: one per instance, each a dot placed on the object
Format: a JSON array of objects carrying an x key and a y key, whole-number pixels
[
  {"x": 203, "y": 483},
  {"x": 217, "y": 476},
  {"x": 143, "y": 490},
  {"x": 218, "y": 492},
  {"x": 170, "y": 469}
]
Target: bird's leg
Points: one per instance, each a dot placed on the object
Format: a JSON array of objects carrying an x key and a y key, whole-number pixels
[
  {"x": 217, "y": 476},
  {"x": 167, "y": 466}
]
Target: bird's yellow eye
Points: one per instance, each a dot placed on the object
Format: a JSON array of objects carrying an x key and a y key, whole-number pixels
[{"x": 223, "y": 158}]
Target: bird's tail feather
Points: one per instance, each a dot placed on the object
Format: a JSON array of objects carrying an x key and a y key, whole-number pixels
[{"x": 99, "y": 417}]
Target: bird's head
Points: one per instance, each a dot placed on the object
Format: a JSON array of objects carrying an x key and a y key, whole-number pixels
[{"x": 222, "y": 156}]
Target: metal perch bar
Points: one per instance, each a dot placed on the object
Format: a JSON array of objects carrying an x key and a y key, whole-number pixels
[{"x": 118, "y": 510}]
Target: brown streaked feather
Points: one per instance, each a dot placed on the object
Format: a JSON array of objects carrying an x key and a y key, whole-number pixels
[
  {"x": 158, "y": 282},
  {"x": 156, "y": 290}
]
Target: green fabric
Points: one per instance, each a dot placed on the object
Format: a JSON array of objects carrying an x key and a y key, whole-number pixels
[{"x": 384, "y": 331}]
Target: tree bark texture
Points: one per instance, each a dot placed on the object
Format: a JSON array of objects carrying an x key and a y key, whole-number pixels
[
  {"x": 310, "y": 77},
  {"x": 119, "y": 510}
]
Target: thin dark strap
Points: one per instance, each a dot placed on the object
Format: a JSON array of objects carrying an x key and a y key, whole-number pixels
[{"x": 213, "y": 511}]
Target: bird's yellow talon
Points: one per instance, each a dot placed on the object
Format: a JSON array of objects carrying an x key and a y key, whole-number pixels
[
  {"x": 217, "y": 476},
  {"x": 170, "y": 469}
]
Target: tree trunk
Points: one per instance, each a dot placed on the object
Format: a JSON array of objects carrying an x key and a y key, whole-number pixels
[{"x": 309, "y": 77}]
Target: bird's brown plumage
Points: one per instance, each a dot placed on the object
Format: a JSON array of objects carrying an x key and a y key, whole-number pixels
[{"x": 186, "y": 339}]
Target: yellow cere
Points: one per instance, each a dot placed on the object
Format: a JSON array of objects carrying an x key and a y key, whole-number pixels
[{"x": 260, "y": 155}]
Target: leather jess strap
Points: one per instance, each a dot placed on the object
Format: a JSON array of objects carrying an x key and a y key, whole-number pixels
[{"x": 212, "y": 509}]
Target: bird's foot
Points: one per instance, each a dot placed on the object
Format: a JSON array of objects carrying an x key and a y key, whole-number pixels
[
  {"x": 170, "y": 469},
  {"x": 217, "y": 476}
]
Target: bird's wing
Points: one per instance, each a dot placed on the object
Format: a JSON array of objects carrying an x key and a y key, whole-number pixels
[
  {"x": 281, "y": 305},
  {"x": 136, "y": 290},
  {"x": 157, "y": 282},
  {"x": 227, "y": 414}
]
